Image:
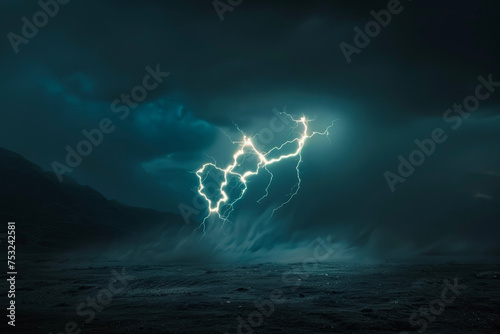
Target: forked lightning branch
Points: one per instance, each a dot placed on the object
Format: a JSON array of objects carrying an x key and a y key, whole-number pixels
[{"x": 233, "y": 178}]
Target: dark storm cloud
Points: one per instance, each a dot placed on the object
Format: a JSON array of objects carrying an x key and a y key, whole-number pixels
[{"x": 266, "y": 55}]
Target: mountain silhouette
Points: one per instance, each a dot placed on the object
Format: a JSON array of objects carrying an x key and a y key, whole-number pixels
[{"x": 66, "y": 215}]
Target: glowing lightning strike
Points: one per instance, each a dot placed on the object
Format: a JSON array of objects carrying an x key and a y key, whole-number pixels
[{"x": 264, "y": 161}]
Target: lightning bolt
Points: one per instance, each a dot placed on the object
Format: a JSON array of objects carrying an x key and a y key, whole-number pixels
[{"x": 224, "y": 207}]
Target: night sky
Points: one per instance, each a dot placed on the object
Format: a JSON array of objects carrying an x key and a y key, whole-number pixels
[{"x": 265, "y": 56}]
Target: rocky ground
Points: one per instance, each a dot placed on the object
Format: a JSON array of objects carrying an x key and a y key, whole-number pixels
[{"x": 66, "y": 296}]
